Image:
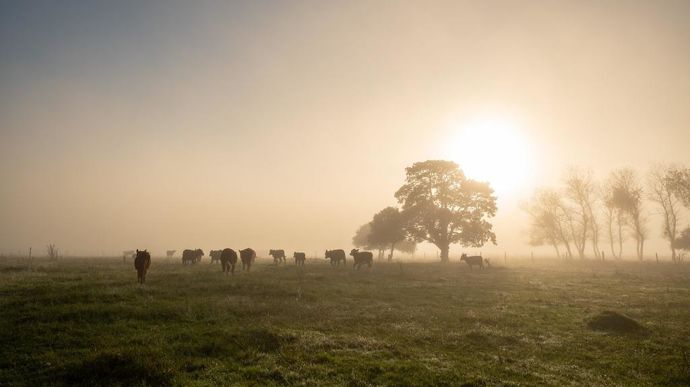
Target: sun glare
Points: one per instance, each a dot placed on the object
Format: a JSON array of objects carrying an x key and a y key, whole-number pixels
[{"x": 493, "y": 150}]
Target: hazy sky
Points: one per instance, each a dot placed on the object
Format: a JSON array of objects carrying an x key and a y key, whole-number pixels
[{"x": 161, "y": 124}]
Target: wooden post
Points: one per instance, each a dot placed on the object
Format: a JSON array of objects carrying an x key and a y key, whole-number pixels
[
  {"x": 31, "y": 260},
  {"x": 505, "y": 258},
  {"x": 657, "y": 257}
]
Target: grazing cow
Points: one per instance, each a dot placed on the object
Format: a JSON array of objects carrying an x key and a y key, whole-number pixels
[
  {"x": 142, "y": 262},
  {"x": 228, "y": 259},
  {"x": 362, "y": 258},
  {"x": 128, "y": 254},
  {"x": 278, "y": 256},
  {"x": 170, "y": 253},
  {"x": 336, "y": 256},
  {"x": 474, "y": 260},
  {"x": 192, "y": 256},
  {"x": 215, "y": 255},
  {"x": 247, "y": 255},
  {"x": 300, "y": 258}
]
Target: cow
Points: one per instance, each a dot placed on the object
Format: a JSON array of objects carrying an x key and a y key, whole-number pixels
[
  {"x": 336, "y": 256},
  {"x": 300, "y": 258},
  {"x": 248, "y": 256},
  {"x": 215, "y": 255},
  {"x": 128, "y": 254},
  {"x": 192, "y": 256},
  {"x": 169, "y": 253},
  {"x": 278, "y": 256},
  {"x": 474, "y": 260},
  {"x": 228, "y": 259},
  {"x": 142, "y": 262},
  {"x": 361, "y": 258}
]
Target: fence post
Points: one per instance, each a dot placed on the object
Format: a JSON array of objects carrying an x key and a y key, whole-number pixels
[{"x": 505, "y": 258}]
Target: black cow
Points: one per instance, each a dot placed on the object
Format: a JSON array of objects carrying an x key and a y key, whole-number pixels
[
  {"x": 228, "y": 259},
  {"x": 142, "y": 262},
  {"x": 278, "y": 256},
  {"x": 300, "y": 258},
  {"x": 215, "y": 255},
  {"x": 362, "y": 258},
  {"x": 247, "y": 256},
  {"x": 474, "y": 260},
  {"x": 192, "y": 256},
  {"x": 336, "y": 256}
]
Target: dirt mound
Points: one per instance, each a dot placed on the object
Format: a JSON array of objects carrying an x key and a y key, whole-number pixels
[{"x": 614, "y": 322}]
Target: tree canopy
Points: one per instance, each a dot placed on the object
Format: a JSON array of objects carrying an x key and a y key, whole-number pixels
[{"x": 442, "y": 206}]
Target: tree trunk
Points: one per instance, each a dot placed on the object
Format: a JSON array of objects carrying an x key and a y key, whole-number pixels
[
  {"x": 444, "y": 253},
  {"x": 390, "y": 256}
]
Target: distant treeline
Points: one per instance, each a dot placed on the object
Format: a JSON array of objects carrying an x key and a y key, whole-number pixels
[{"x": 577, "y": 216}]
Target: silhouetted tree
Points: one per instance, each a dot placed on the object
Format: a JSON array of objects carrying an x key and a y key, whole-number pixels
[
  {"x": 615, "y": 217},
  {"x": 627, "y": 196},
  {"x": 443, "y": 207},
  {"x": 549, "y": 221},
  {"x": 661, "y": 183},
  {"x": 679, "y": 180},
  {"x": 580, "y": 189},
  {"x": 361, "y": 240},
  {"x": 52, "y": 251},
  {"x": 682, "y": 243}
]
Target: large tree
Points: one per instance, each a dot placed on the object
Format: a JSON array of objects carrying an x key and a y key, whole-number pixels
[{"x": 444, "y": 207}]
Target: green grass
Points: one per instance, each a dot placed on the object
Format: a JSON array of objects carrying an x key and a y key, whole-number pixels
[{"x": 87, "y": 321}]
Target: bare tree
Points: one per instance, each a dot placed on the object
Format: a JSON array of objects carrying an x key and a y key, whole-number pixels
[
  {"x": 52, "y": 252},
  {"x": 550, "y": 221},
  {"x": 661, "y": 192},
  {"x": 580, "y": 189},
  {"x": 627, "y": 195}
]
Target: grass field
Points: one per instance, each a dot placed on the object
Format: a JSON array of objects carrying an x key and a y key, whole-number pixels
[{"x": 86, "y": 321}]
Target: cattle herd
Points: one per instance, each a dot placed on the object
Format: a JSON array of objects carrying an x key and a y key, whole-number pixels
[{"x": 228, "y": 259}]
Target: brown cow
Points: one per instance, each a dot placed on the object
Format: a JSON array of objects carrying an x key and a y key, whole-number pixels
[
  {"x": 215, "y": 255},
  {"x": 299, "y": 258},
  {"x": 192, "y": 256},
  {"x": 142, "y": 262},
  {"x": 336, "y": 256},
  {"x": 278, "y": 256},
  {"x": 474, "y": 260},
  {"x": 248, "y": 256},
  {"x": 362, "y": 258},
  {"x": 228, "y": 259}
]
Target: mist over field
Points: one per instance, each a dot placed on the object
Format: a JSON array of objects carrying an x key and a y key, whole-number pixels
[{"x": 361, "y": 193}]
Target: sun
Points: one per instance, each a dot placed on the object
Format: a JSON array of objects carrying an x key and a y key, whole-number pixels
[{"x": 493, "y": 150}]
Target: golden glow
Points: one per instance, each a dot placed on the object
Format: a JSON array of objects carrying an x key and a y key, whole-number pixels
[{"x": 493, "y": 150}]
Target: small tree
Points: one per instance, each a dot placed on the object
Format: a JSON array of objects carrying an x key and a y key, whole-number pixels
[
  {"x": 443, "y": 207},
  {"x": 550, "y": 221},
  {"x": 52, "y": 252},
  {"x": 679, "y": 181},
  {"x": 361, "y": 240},
  {"x": 682, "y": 243},
  {"x": 627, "y": 195},
  {"x": 387, "y": 229}
]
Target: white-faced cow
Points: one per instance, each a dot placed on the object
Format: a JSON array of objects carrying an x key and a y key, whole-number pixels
[
  {"x": 361, "y": 258},
  {"x": 215, "y": 255},
  {"x": 300, "y": 258},
  {"x": 248, "y": 256},
  {"x": 336, "y": 256},
  {"x": 142, "y": 262},
  {"x": 278, "y": 256},
  {"x": 192, "y": 256},
  {"x": 473, "y": 260},
  {"x": 228, "y": 259}
]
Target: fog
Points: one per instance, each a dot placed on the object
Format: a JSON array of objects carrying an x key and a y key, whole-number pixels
[{"x": 171, "y": 125}]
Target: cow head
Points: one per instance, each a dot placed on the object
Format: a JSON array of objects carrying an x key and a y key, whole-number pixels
[
  {"x": 354, "y": 251},
  {"x": 463, "y": 257}
]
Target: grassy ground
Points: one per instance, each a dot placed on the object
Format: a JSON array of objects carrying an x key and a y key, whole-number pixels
[{"x": 86, "y": 321}]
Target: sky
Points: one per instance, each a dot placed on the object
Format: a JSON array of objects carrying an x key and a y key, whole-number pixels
[{"x": 287, "y": 124}]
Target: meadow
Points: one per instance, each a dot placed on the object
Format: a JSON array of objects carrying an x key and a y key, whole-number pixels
[{"x": 87, "y": 321}]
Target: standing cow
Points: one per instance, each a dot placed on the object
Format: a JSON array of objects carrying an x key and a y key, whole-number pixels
[
  {"x": 362, "y": 258},
  {"x": 247, "y": 255},
  {"x": 192, "y": 256},
  {"x": 299, "y": 258},
  {"x": 336, "y": 256},
  {"x": 228, "y": 259},
  {"x": 142, "y": 262},
  {"x": 169, "y": 253},
  {"x": 474, "y": 260},
  {"x": 215, "y": 255},
  {"x": 128, "y": 254},
  {"x": 278, "y": 256}
]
